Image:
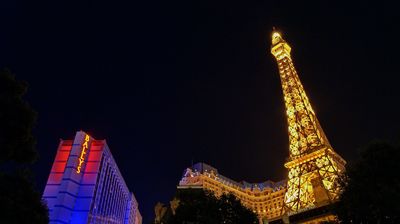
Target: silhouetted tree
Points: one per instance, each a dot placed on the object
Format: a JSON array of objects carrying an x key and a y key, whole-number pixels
[
  {"x": 202, "y": 207},
  {"x": 16, "y": 121},
  {"x": 19, "y": 202},
  {"x": 372, "y": 187}
]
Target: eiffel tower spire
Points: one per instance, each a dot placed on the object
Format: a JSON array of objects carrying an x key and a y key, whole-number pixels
[{"x": 313, "y": 165}]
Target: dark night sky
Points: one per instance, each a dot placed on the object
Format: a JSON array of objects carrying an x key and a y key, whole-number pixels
[{"x": 170, "y": 82}]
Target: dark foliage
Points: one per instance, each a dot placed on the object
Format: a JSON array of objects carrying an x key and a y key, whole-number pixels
[
  {"x": 202, "y": 207},
  {"x": 16, "y": 121},
  {"x": 372, "y": 187},
  {"x": 19, "y": 202}
]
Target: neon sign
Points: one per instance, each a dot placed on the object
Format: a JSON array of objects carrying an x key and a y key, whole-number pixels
[{"x": 85, "y": 146}]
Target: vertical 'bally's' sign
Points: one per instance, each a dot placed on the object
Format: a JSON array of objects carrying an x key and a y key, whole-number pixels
[{"x": 85, "y": 146}]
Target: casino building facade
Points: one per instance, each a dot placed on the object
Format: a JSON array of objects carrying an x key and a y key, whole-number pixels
[
  {"x": 86, "y": 186},
  {"x": 265, "y": 199}
]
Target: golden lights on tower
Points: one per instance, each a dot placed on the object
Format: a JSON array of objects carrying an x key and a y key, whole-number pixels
[{"x": 313, "y": 165}]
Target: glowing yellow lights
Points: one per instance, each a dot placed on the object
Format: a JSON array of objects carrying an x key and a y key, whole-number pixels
[
  {"x": 276, "y": 38},
  {"x": 275, "y": 35},
  {"x": 313, "y": 165},
  {"x": 81, "y": 159},
  {"x": 266, "y": 202}
]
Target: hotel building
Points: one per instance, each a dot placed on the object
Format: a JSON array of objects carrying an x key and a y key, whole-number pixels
[
  {"x": 86, "y": 186},
  {"x": 265, "y": 199}
]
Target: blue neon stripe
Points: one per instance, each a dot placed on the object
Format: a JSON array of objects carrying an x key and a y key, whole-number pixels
[
  {"x": 71, "y": 209},
  {"x": 75, "y": 182},
  {"x": 69, "y": 179},
  {"x": 75, "y": 196},
  {"x": 49, "y": 197},
  {"x": 57, "y": 221},
  {"x": 88, "y": 184},
  {"x": 66, "y": 192},
  {"x": 63, "y": 206}
]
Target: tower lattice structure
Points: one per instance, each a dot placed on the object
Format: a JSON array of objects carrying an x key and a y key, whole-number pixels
[{"x": 314, "y": 167}]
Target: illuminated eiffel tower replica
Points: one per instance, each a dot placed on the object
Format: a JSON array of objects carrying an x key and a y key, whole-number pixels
[{"x": 314, "y": 167}]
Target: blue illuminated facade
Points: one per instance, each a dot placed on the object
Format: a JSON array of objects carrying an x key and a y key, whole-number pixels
[{"x": 86, "y": 186}]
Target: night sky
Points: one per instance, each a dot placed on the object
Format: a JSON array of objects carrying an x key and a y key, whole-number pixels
[{"x": 167, "y": 83}]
